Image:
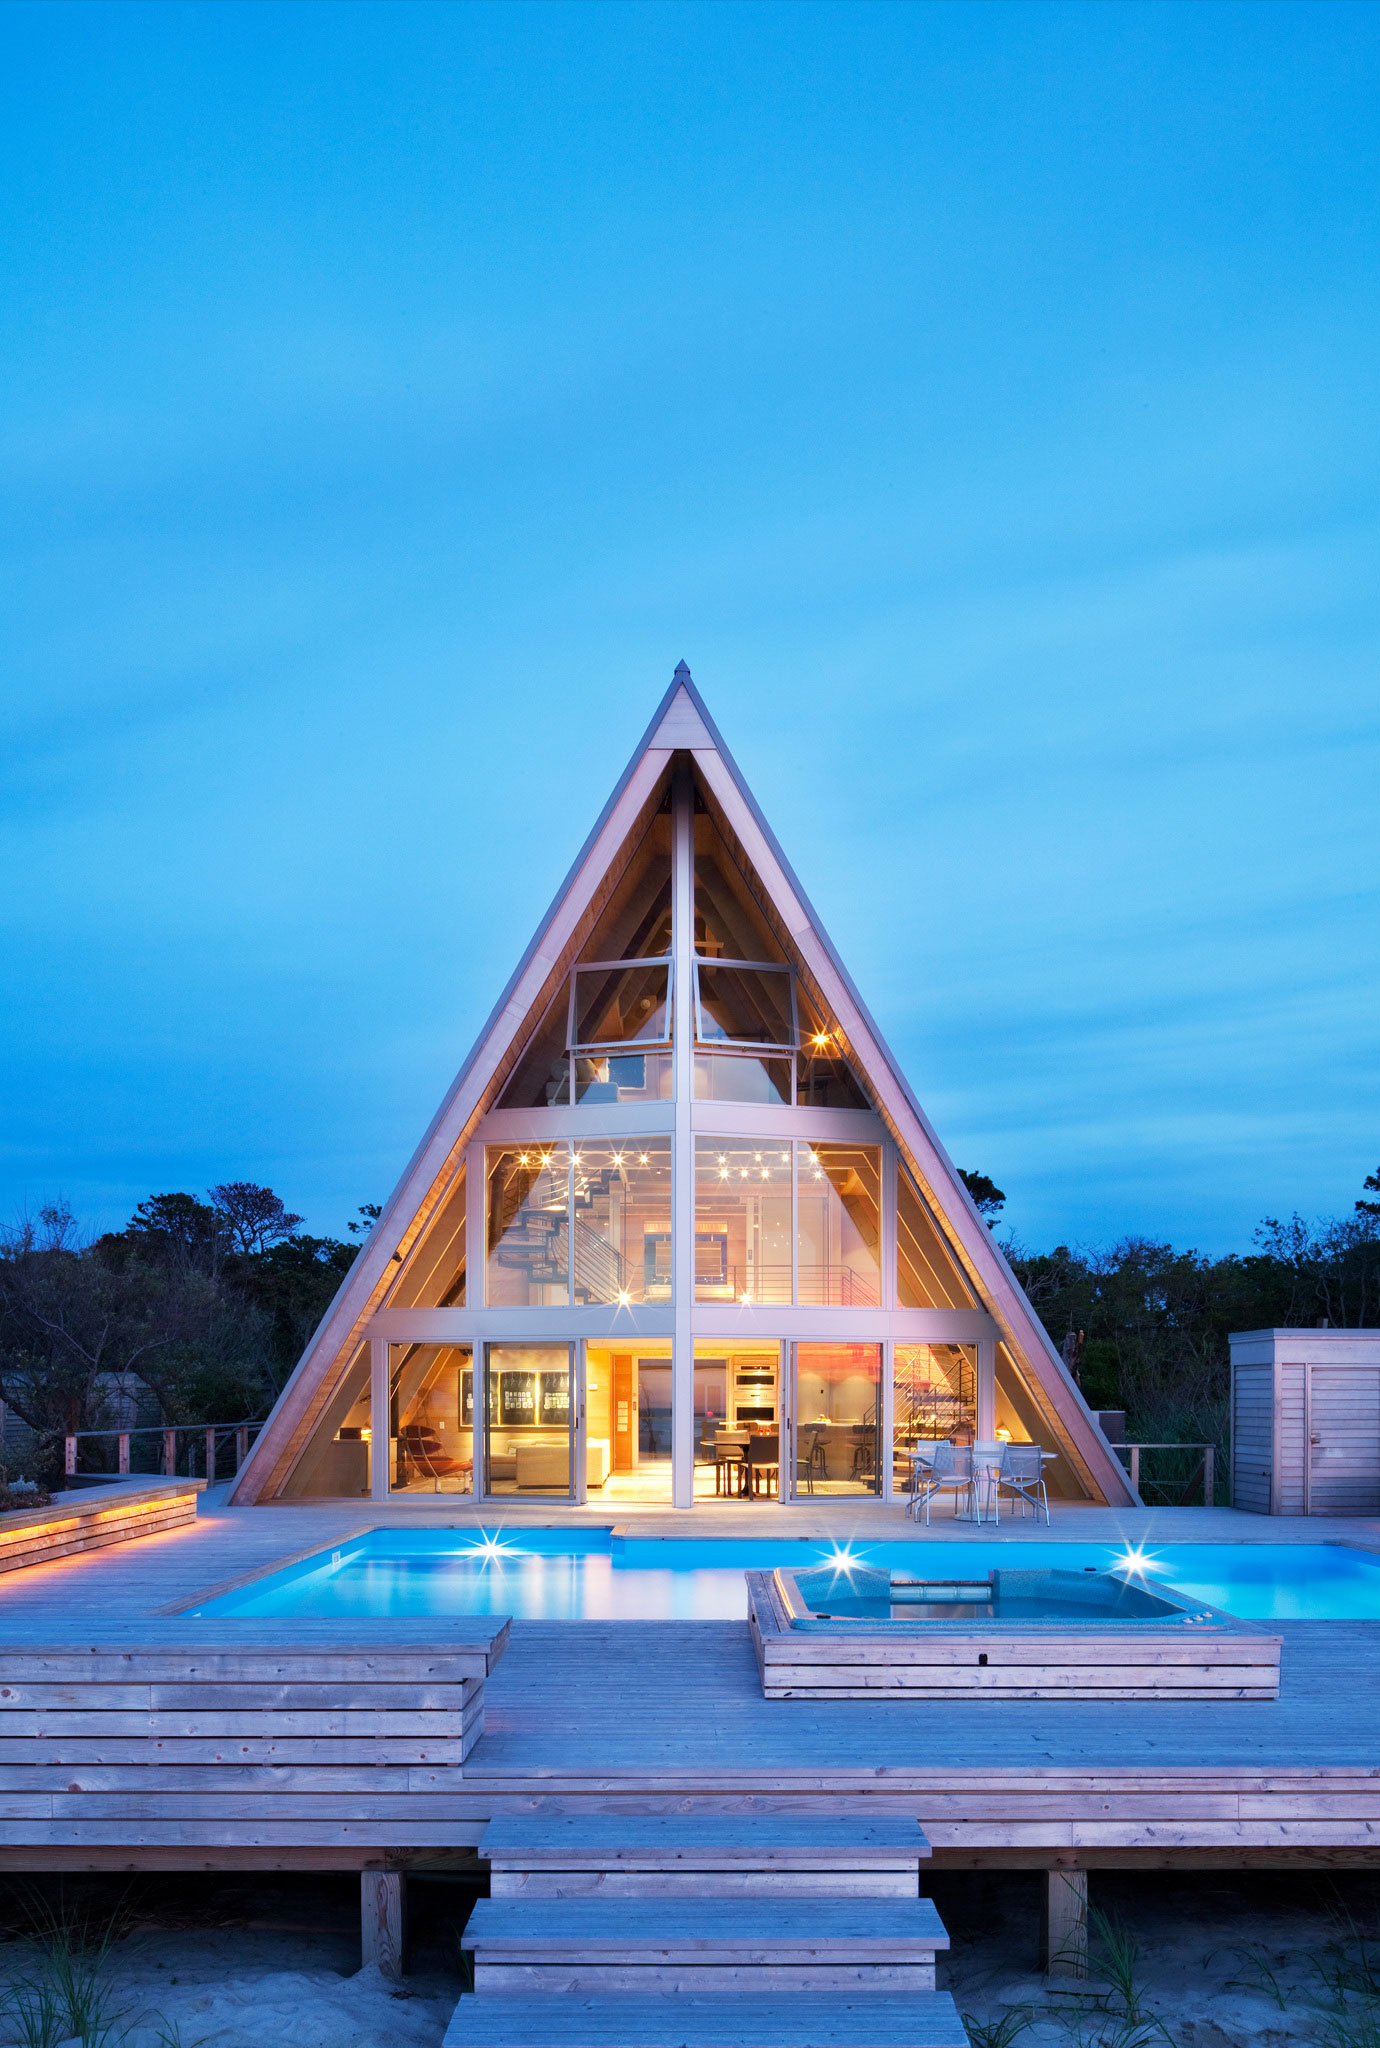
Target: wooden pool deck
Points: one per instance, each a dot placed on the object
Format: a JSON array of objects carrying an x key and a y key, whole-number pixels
[{"x": 656, "y": 1715}]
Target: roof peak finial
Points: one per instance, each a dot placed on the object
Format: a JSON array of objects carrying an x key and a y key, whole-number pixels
[{"x": 682, "y": 674}]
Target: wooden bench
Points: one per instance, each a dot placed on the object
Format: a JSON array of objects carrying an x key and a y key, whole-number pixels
[{"x": 90, "y": 1518}]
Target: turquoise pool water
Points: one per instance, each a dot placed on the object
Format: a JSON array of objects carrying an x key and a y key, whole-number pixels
[{"x": 590, "y": 1575}]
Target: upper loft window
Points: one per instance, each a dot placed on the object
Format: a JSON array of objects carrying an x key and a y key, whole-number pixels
[
  {"x": 619, "y": 1032},
  {"x": 745, "y": 1006},
  {"x": 617, "y": 1003}
]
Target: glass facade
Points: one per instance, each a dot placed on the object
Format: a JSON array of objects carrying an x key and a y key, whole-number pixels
[
  {"x": 934, "y": 1400},
  {"x": 431, "y": 1418},
  {"x": 928, "y": 1274},
  {"x": 838, "y": 1418},
  {"x": 529, "y": 1419},
  {"x": 433, "y": 1274},
  {"x": 527, "y": 1226},
  {"x": 742, "y": 1222},
  {"x": 336, "y": 1461},
  {"x": 622, "y": 1209},
  {"x": 839, "y": 1225},
  {"x": 792, "y": 1210}
]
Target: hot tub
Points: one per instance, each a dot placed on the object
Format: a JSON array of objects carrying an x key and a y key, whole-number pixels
[{"x": 850, "y": 1632}]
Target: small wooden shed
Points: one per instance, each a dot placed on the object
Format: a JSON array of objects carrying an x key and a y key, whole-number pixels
[{"x": 1305, "y": 1422}]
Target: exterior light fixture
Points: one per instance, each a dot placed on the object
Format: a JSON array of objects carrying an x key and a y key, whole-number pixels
[{"x": 624, "y": 1298}]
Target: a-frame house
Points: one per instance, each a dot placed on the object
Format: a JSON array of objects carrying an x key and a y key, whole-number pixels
[{"x": 680, "y": 1229}]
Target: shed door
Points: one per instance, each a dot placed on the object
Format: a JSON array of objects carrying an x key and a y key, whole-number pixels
[{"x": 1343, "y": 1440}]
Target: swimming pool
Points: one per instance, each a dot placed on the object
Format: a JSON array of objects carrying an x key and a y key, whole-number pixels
[{"x": 591, "y": 1575}]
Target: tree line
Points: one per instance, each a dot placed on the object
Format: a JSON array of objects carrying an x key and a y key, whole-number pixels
[
  {"x": 208, "y": 1304},
  {"x": 1144, "y": 1326}
]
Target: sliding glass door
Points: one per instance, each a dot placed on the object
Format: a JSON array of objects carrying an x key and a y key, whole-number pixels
[
  {"x": 835, "y": 1419},
  {"x": 532, "y": 1421}
]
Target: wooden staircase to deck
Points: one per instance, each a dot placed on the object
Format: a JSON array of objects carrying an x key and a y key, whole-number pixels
[{"x": 704, "y": 1930}]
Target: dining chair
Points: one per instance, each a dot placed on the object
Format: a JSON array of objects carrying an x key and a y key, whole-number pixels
[
  {"x": 1022, "y": 1475},
  {"x": 951, "y": 1471},
  {"x": 988, "y": 1455}
]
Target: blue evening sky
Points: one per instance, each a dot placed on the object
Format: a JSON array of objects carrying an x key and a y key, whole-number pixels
[{"x": 982, "y": 399}]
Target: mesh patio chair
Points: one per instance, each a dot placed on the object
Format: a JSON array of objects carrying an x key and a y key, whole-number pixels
[
  {"x": 950, "y": 1472},
  {"x": 1022, "y": 1475},
  {"x": 989, "y": 1457}
]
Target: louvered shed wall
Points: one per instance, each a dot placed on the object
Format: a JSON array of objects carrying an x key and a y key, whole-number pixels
[{"x": 1306, "y": 1422}]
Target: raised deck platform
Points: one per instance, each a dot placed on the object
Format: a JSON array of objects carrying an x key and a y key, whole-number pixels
[{"x": 601, "y": 1716}]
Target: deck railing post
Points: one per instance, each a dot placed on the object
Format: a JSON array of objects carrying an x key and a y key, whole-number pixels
[
  {"x": 169, "y": 1453},
  {"x": 124, "y": 1453},
  {"x": 1135, "y": 1466},
  {"x": 210, "y": 1457},
  {"x": 70, "y": 1464},
  {"x": 241, "y": 1444},
  {"x": 1209, "y": 1477}
]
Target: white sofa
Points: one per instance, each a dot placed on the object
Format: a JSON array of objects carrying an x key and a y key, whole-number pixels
[{"x": 545, "y": 1468}]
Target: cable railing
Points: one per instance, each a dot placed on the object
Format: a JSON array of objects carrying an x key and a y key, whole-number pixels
[
  {"x": 1174, "y": 1484},
  {"x": 202, "y": 1446}
]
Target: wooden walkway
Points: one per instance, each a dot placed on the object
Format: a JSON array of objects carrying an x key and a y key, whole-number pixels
[{"x": 655, "y": 1714}]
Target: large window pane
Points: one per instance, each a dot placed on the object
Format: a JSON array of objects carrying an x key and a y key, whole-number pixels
[
  {"x": 725, "y": 1077},
  {"x": 541, "y": 1078},
  {"x": 729, "y": 918},
  {"x": 1023, "y": 1418},
  {"x": 837, "y": 1418},
  {"x": 335, "y": 1463},
  {"x": 529, "y": 1418},
  {"x": 927, "y": 1273},
  {"x": 431, "y": 1409},
  {"x": 527, "y": 1229},
  {"x": 635, "y": 923},
  {"x": 622, "y": 1245},
  {"x": 824, "y": 1079},
  {"x": 749, "y": 1006},
  {"x": 840, "y": 1225},
  {"x": 434, "y": 1274},
  {"x": 624, "y": 1077},
  {"x": 934, "y": 1401},
  {"x": 742, "y": 1222},
  {"x": 616, "y": 1006}
]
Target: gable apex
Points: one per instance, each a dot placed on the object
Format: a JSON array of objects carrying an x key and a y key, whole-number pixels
[{"x": 683, "y": 724}]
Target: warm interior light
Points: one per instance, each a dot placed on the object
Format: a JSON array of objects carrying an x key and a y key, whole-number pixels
[{"x": 624, "y": 1298}]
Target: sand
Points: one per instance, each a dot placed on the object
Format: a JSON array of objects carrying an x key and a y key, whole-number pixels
[{"x": 216, "y": 1963}]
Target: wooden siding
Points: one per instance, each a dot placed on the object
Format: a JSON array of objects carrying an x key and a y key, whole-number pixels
[
  {"x": 1342, "y": 1439},
  {"x": 1291, "y": 1438},
  {"x": 1253, "y": 1438}
]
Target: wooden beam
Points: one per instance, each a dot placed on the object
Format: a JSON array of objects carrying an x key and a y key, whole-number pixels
[
  {"x": 1064, "y": 1923},
  {"x": 383, "y": 1920}
]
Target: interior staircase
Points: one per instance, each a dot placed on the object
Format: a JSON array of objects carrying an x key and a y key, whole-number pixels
[{"x": 704, "y": 1930}]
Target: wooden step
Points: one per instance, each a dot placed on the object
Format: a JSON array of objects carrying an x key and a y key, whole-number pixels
[
  {"x": 691, "y": 1944},
  {"x": 660, "y": 1841},
  {"x": 782, "y": 2020},
  {"x": 617, "y": 1855}
]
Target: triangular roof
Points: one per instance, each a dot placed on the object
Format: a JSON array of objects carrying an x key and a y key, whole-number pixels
[{"x": 680, "y": 724}]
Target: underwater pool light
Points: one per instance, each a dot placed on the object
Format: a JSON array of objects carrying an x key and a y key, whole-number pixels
[
  {"x": 1136, "y": 1562},
  {"x": 490, "y": 1546}
]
